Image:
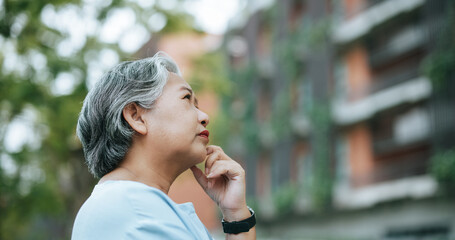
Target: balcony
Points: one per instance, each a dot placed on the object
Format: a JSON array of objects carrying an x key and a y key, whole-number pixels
[
  {"x": 374, "y": 16},
  {"x": 398, "y": 74},
  {"x": 408, "y": 39},
  {"x": 416, "y": 187},
  {"x": 404, "y": 163},
  {"x": 345, "y": 112}
]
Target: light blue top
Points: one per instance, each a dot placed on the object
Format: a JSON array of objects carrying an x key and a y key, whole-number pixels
[{"x": 132, "y": 210}]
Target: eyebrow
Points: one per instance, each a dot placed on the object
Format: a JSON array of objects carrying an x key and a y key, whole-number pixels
[{"x": 196, "y": 103}]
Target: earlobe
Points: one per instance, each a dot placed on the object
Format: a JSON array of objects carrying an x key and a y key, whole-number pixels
[{"x": 134, "y": 114}]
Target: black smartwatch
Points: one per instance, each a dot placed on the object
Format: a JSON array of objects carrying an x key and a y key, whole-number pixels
[{"x": 240, "y": 226}]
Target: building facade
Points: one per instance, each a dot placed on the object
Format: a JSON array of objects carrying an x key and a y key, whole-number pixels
[{"x": 336, "y": 120}]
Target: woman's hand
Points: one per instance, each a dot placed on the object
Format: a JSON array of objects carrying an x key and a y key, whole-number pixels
[{"x": 224, "y": 182}]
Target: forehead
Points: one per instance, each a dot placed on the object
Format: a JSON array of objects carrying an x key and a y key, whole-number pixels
[{"x": 175, "y": 81}]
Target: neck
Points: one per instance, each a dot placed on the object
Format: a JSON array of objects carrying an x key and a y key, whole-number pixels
[
  {"x": 150, "y": 176},
  {"x": 154, "y": 171}
]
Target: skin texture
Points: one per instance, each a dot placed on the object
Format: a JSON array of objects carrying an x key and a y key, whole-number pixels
[{"x": 167, "y": 143}]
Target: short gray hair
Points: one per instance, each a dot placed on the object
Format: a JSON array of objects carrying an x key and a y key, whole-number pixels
[{"x": 104, "y": 133}]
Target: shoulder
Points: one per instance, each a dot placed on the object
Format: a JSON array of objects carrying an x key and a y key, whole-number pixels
[
  {"x": 119, "y": 208},
  {"x": 121, "y": 197}
]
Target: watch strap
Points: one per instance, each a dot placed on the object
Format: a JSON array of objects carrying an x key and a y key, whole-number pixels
[{"x": 240, "y": 226}]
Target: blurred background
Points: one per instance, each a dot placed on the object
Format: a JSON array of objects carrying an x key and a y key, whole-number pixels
[{"x": 341, "y": 111}]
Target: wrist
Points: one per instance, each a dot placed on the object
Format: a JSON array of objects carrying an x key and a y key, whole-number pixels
[{"x": 237, "y": 214}]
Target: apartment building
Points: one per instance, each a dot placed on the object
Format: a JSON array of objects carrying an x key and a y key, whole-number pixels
[{"x": 336, "y": 122}]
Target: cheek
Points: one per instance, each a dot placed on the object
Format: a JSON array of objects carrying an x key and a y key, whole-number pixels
[
  {"x": 178, "y": 127},
  {"x": 180, "y": 133}
]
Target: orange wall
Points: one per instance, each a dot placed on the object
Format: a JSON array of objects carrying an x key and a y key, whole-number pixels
[
  {"x": 300, "y": 150},
  {"x": 361, "y": 158},
  {"x": 359, "y": 74},
  {"x": 352, "y": 7},
  {"x": 263, "y": 178}
]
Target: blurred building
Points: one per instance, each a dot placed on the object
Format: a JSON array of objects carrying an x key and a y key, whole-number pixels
[{"x": 337, "y": 123}]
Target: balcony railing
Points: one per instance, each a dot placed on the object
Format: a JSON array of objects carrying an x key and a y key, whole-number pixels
[
  {"x": 365, "y": 21},
  {"x": 412, "y": 162},
  {"x": 345, "y": 112},
  {"x": 407, "y": 40},
  {"x": 394, "y": 77}
]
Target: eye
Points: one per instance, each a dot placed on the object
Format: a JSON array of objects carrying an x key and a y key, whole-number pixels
[{"x": 188, "y": 96}]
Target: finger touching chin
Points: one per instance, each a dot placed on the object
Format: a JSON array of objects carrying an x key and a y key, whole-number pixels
[{"x": 211, "y": 149}]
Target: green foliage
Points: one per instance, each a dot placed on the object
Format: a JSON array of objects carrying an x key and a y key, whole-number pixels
[
  {"x": 178, "y": 22},
  {"x": 439, "y": 66},
  {"x": 239, "y": 104},
  {"x": 321, "y": 186},
  {"x": 443, "y": 168},
  {"x": 284, "y": 199},
  {"x": 220, "y": 126},
  {"x": 281, "y": 107},
  {"x": 251, "y": 85},
  {"x": 43, "y": 184},
  {"x": 209, "y": 73}
]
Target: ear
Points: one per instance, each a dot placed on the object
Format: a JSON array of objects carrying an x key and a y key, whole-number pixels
[{"x": 134, "y": 115}]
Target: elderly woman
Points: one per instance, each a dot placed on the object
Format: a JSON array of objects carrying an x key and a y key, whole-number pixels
[{"x": 140, "y": 128}]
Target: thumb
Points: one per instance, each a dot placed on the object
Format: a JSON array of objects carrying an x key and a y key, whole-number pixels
[{"x": 200, "y": 177}]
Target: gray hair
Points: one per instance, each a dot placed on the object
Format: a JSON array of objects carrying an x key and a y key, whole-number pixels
[{"x": 104, "y": 133}]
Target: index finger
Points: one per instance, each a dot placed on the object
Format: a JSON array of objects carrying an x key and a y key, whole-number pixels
[{"x": 212, "y": 148}]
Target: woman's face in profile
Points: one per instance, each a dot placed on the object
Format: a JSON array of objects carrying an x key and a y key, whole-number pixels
[{"x": 176, "y": 123}]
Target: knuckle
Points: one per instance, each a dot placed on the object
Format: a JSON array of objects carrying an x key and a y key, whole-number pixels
[
  {"x": 240, "y": 169},
  {"x": 213, "y": 156}
]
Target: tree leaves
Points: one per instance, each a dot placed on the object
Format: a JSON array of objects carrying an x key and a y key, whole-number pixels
[{"x": 43, "y": 186}]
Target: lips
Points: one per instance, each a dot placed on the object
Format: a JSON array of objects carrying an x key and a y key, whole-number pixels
[{"x": 204, "y": 133}]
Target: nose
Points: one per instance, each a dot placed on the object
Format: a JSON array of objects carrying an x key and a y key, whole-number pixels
[{"x": 203, "y": 118}]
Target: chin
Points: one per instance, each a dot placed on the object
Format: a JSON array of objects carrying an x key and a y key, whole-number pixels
[
  {"x": 202, "y": 156},
  {"x": 195, "y": 157}
]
